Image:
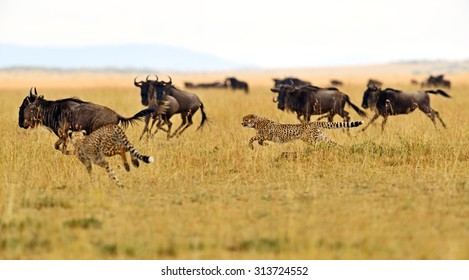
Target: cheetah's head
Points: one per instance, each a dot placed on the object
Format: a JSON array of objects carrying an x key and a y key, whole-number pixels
[
  {"x": 250, "y": 120},
  {"x": 76, "y": 136}
]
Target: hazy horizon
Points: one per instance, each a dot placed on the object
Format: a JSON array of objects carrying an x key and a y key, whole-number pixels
[{"x": 264, "y": 34}]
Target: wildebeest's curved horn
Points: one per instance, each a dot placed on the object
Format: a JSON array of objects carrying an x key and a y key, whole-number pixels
[
  {"x": 275, "y": 100},
  {"x": 147, "y": 78},
  {"x": 170, "y": 81},
  {"x": 137, "y": 84},
  {"x": 156, "y": 78},
  {"x": 35, "y": 91},
  {"x": 31, "y": 92}
]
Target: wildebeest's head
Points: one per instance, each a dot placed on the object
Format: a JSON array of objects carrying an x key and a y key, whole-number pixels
[
  {"x": 161, "y": 88},
  {"x": 282, "y": 93},
  {"x": 369, "y": 96},
  {"x": 28, "y": 112},
  {"x": 145, "y": 87}
]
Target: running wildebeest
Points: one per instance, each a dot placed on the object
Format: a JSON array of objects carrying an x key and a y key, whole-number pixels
[
  {"x": 163, "y": 110},
  {"x": 71, "y": 113},
  {"x": 234, "y": 84},
  {"x": 436, "y": 81},
  {"x": 292, "y": 81},
  {"x": 311, "y": 100},
  {"x": 189, "y": 103},
  {"x": 389, "y": 102}
]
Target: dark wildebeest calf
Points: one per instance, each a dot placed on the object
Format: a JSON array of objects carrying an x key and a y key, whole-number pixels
[
  {"x": 71, "y": 113},
  {"x": 390, "y": 102},
  {"x": 311, "y": 100}
]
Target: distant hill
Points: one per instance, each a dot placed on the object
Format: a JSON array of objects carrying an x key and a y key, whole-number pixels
[{"x": 112, "y": 57}]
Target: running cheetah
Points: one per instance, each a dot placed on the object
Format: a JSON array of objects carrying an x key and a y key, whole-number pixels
[
  {"x": 311, "y": 133},
  {"x": 107, "y": 141}
]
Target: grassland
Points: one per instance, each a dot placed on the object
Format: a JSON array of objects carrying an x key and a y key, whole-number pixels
[{"x": 401, "y": 194}]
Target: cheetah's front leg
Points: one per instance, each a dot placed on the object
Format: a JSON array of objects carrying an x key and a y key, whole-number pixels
[
  {"x": 259, "y": 139},
  {"x": 251, "y": 141}
]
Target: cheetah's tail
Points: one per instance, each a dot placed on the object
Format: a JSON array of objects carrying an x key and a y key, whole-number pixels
[
  {"x": 331, "y": 125},
  {"x": 144, "y": 158}
]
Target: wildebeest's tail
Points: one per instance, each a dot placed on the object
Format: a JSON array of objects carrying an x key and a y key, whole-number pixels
[
  {"x": 355, "y": 107},
  {"x": 438, "y": 91},
  {"x": 331, "y": 125},
  {"x": 137, "y": 117},
  {"x": 204, "y": 117}
]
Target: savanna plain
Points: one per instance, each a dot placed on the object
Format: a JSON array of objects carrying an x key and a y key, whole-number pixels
[{"x": 400, "y": 194}]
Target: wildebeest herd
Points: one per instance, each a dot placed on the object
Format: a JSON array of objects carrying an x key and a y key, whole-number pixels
[{"x": 163, "y": 100}]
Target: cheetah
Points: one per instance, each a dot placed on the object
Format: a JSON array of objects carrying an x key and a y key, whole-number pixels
[
  {"x": 107, "y": 141},
  {"x": 311, "y": 133}
]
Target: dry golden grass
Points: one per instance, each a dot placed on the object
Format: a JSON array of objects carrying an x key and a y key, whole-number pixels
[{"x": 403, "y": 194}]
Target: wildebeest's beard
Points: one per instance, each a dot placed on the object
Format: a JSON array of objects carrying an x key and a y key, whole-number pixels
[
  {"x": 281, "y": 101},
  {"x": 23, "y": 122},
  {"x": 144, "y": 93},
  {"x": 365, "y": 99},
  {"x": 161, "y": 88},
  {"x": 367, "y": 95}
]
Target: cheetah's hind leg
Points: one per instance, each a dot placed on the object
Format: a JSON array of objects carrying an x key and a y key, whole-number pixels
[{"x": 103, "y": 163}]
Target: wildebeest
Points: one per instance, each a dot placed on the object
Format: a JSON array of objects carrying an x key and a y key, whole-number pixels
[
  {"x": 163, "y": 110},
  {"x": 189, "y": 103},
  {"x": 290, "y": 81},
  {"x": 390, "y": 102},
  {"x": 375, "y": 83},
  {"x": 234, "y": 84},
  {"x": 206, "y": 85},
  {"x": 336, "y": 83},
  {"x": 311, "y": 100},
  {"x": 436, "y": 81},
  {"x": 71, "y": 113}
]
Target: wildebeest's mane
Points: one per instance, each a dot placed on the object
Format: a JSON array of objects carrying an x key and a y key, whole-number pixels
[
  {"x": 72, "y": 99},
  {"x": 393, "y": 90}
]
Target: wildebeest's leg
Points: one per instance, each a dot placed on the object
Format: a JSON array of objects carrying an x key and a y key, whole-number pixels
[
  {"x": 170, "y": 124},
  {"x": 384, "y": 122},
  {"x": 298, "y": 116},
  {"x": 323, "y": 116},
  {"x": 57, "y": 144},
  {"x": 431, "y": 114},
  {"x": 153, "y": 121},
  {"x": 103, "y": 163},
  {"x": 145, "y": 129},
  {"x": 189, "y": 123},
  {"x": 371, "y": 121},
  {"x": 184, "y": 120},
  {"x": 158, "y": 125},
  {"x": 441, "y": 120}
]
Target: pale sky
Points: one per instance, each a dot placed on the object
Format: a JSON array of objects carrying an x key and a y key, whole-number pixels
[{"x": 290, "y": 33}]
